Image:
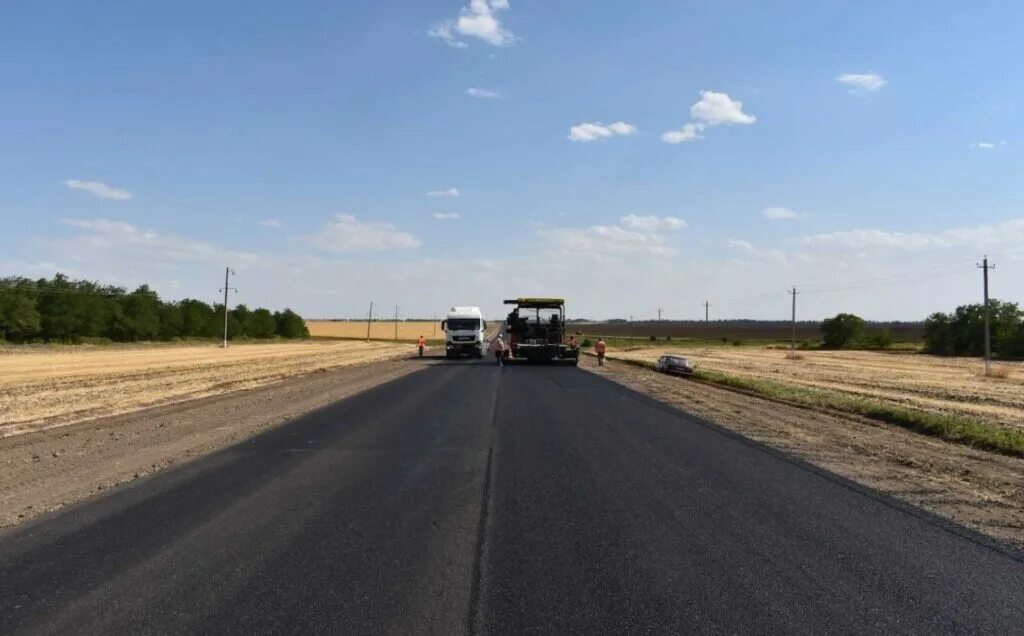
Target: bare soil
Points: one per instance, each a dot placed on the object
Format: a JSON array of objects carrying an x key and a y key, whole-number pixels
[
  {"x": 929, "y": 383},
  {"x": 46, "y": 469},
  {"x": 42, "y": 388},
  {"x": 977, "y": 489}
]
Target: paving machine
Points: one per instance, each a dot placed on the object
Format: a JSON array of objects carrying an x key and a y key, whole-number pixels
[{"x": 537, "y": 332}]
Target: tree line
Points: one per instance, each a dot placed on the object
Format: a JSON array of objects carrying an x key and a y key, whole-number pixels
[
  {"x": 960, "y": 333},
  {"x": 70, "y": 311}
]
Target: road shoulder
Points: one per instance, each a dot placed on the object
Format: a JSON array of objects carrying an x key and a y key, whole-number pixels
[
  {"x": 50, "y": 469},
  {"x": 978, "y": 489}
]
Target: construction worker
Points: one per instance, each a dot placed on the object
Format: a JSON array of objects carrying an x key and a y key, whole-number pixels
[
  {"x": 599, "y": 349},
  {"x": 498, "y": 347},
  {"x": 572, "y": 342},
  {"x": 421, "y": 343}
]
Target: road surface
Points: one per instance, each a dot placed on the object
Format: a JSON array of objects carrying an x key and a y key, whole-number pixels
[{"x": 467, "y": 498}]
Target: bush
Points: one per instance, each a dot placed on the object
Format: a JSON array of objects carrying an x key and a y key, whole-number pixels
[
  {"x": 668, "y": 338},
  {"x": 841, "y": 330},
  {"x": 881, "y": 339},
  {"x": 737, "y": 343},
  {"x": 586, "y": 343},
  {"x": 654, "y": 338}
]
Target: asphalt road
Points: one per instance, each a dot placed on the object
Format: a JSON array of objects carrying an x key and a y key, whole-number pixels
[{"x": 464, "y": 497}]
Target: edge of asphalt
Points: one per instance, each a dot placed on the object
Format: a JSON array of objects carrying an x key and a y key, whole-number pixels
[{"x": 947, "y": 525}]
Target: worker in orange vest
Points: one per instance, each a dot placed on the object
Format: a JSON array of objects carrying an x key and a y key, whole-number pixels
[
  {"x": 599, "y": 349},
  {"x": 421, "y": 343}
]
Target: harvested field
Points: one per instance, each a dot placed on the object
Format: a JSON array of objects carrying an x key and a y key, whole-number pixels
[
  {"x": 380, "y": 330},
  {"x": 43, "y": 389},
  {"x": 929, "y": 383},
  {"x": 746, "y": 330}
]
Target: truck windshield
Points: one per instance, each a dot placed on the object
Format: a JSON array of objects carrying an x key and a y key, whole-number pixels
[{"x": 463, "y": 324}]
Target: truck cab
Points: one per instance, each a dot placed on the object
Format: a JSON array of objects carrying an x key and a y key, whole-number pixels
[{"x": 464, "y": 332}]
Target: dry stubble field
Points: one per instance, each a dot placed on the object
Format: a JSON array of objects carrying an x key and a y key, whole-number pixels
[
  {"x": 41, "y": 389},
  {"x": 382, "y": 330},
  {"x": 929, "y": 383}
]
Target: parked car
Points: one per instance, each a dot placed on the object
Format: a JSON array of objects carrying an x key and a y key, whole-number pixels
[{"x": 674, "y": 365}]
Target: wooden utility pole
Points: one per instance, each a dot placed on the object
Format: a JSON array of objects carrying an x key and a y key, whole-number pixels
[
  {"x": 396, "y": 323},
  {"x": 369, "y": 321},
  {"x": 227, "y": 273},
  {"x": 792, "y": 344},
  {"x": 988, "y": 339}
]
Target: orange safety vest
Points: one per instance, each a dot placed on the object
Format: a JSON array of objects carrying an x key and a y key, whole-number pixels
[
  {"x": 422, "y": 342},
  {"x": 600, "y": 346}
]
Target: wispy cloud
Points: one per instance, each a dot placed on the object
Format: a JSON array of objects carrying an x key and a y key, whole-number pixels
[
  {"x": 749, "y": 249},
  {"x": 594, "y": 131},
  {"x": 712, "y": 109},
  {"x": 447, "y": 192},
  {"x": 482, "y": 93},
  {"x": 99, "y": 189},
  {"x": 780, "y": 214},
  {"x": 987, "y": 145},
  {"x": 861, "y": 82},
  {"x": 652, "y": 223},
  {"x": 105, "y": 239},
  {"x": 446, "y": 216},
  {"x": 478, "y": 20},
  {"x": 977, "y": 237},
  {"x": 270, "y": 223},
  {"x": 347, "y": 234}
]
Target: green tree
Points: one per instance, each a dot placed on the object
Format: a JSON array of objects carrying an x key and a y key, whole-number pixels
[
  {"x": 262, "y": 324},
  {"x": 172, "y": 323},
  {"x": 19, "y": 318},
  {"x": 197, "y": 319},
  {"x": 938, "y": 334},
  {"x": 841, "y": 330},
  {"x": 290, "y": 325},
  {"x": 241, "y": 316},
  {"x": 139, "y": 315}
]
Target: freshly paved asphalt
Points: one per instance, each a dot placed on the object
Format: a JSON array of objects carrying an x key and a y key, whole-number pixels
[{"x": 464, "y": 498}]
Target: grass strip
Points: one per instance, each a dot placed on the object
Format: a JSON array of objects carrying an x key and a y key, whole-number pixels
[{"x": 954, "y": 428}]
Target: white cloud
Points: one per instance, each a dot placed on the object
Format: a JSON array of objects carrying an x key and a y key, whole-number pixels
[
  {"x": 688, "y": 132},
  {"x": 446, "y": 216},
  {"x": 987, "y": 145},
  {"x": 652, "y": 223},
  {"x": 482, "y": 93},
  {"x": 347, "y": 234},
  {"x": 120, "y": 240},
  {"x": 712, "y": 109},
  {"x": 780, "y": 214},
  {"x": 595, "y": 131},
  {"x": 861, "y": 82},
  {"x": 447, "y": 192},
  {"x": 718, "y": 108},
  {"x": 99, "y": 189},
  {"x": 748, "y": 248},
  {"x": 477, "y": 20},
  {"x": 270, "y": 223},
  {"x": 978, "y": 237}
]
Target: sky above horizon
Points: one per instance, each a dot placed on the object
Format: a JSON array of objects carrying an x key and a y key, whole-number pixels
[{"x": 630, "y": 157}]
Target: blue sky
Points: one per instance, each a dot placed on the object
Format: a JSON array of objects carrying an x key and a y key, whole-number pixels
[{"x": 297, "y": 142}]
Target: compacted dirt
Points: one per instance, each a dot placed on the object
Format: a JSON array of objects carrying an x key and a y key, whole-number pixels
[
  {"x": 47, "y": 469},
  {"x": 929, "y": 383},
  {"x": 48, "y": 387},
  {"x": 978, "y": 489}
]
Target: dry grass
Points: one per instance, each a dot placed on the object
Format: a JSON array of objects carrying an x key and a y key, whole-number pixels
[
  {"x": 943, "y": 386},
  {"x": 51, "y": 388},
  {"x": 1002, "y": 371},
  {"x": 381, "y": 330}
]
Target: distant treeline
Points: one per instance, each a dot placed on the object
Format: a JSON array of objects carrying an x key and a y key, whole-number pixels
[
  {"x": 962, "y": 333},
  {"x": 70, "y": 311}
]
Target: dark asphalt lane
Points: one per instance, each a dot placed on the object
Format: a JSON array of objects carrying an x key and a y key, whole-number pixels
[{"x": 529, "y": 499}]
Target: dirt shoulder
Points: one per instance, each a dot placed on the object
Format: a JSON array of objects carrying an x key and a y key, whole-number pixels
[
  {"x": 978, "y": 489},
  {"x": 47, "y": 469}
]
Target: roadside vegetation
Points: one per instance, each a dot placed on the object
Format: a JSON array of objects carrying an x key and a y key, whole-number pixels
[
  {"x": 69, "y": 311},
  {"x": 951, "y": 427}
]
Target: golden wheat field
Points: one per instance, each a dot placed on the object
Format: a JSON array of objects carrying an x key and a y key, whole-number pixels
[
  {"x": 930, "y": 383},
  {"x": 380, "y": 330}
]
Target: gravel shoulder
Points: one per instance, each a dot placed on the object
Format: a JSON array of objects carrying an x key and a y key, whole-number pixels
[
  {"x": 977, "y": 489},
  {"x": 47, "y": 469}
]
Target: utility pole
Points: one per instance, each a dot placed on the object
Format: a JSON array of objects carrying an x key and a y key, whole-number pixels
[
  {"x": 707, "y": 324},
  {"x": 227, "y": 272},
  {"x": 369, "y": 321},
  {"x": 396, "y": 323},
  {"x": 988, "y": 340},
  {"x": 792, "y": 344},
  {"x": 659, "y": 316},
  {"x": 435, "y": 324}
]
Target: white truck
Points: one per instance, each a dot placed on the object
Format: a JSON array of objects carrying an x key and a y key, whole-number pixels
[{"x": 464, "y": 332}]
